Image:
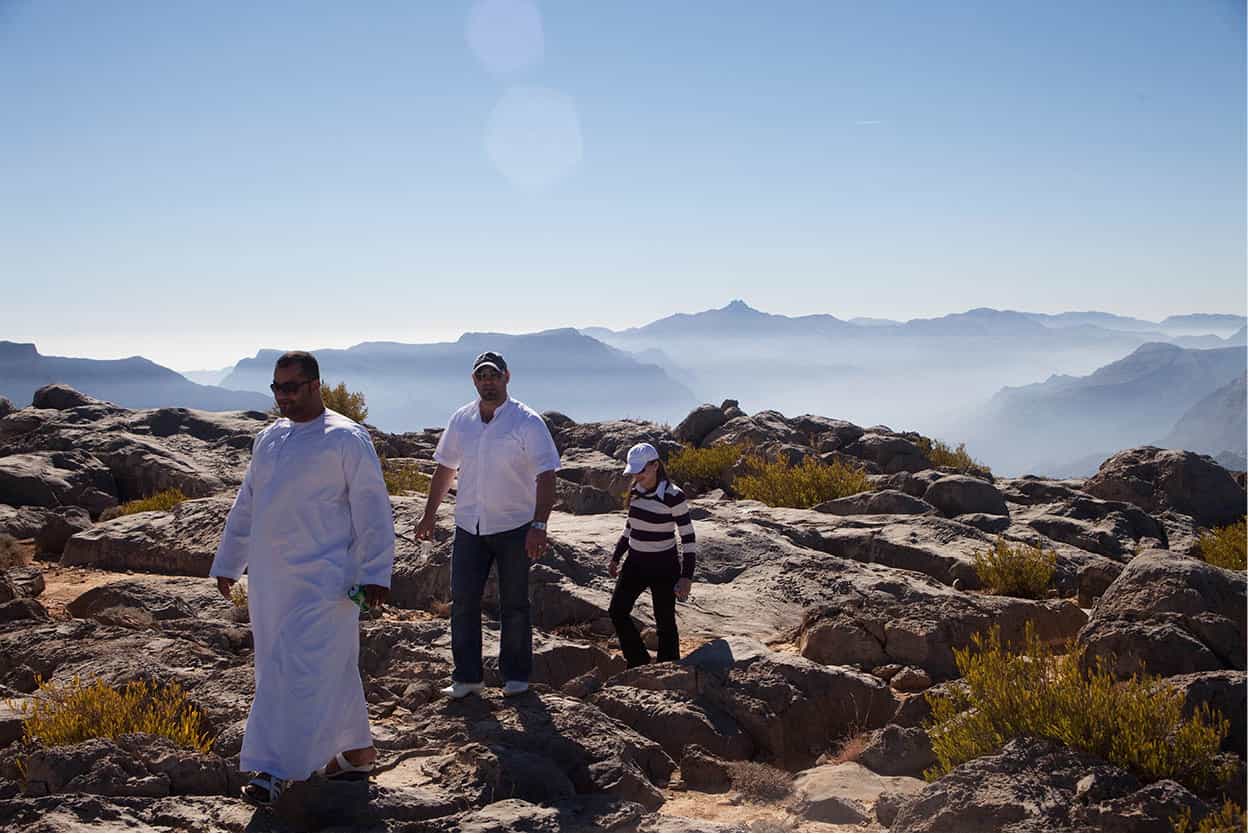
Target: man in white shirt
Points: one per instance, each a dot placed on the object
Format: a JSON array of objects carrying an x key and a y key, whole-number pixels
[{"x": 506, "y": 460}]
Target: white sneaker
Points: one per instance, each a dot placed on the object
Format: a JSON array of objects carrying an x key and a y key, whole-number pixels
[
  {"x": 515, "y": 688},
  {"x": 459, "y": 689}
]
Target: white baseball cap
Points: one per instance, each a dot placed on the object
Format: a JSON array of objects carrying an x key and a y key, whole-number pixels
[{"x": 639, "y": 456}]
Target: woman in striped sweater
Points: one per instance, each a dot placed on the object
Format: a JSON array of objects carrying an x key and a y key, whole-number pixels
[{"x": 659, "y": 540}]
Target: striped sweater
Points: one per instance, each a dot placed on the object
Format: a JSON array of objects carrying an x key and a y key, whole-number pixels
[{"x": 654, "y": 518}]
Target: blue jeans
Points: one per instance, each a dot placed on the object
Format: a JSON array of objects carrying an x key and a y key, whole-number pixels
[{"x": 471, "y": 558}]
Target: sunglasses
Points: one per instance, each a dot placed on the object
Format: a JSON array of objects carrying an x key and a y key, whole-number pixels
[
  {"x": 483, "y": 375},
  {"x": 287, "y": 387}
]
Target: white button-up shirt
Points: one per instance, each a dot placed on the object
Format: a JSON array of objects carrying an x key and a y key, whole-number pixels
[{"x": 498, "y": 465}]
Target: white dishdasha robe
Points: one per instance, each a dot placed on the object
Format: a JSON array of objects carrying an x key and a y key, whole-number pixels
[{"x": 311, "y": 519}]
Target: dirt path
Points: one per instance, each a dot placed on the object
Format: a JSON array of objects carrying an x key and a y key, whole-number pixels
[{"x": 62, "y": 585}]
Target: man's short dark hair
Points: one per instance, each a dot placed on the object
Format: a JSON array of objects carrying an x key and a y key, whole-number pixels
[{"x": 308, "y": 366}]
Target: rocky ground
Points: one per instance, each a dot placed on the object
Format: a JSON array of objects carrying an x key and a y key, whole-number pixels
[{"x": 810, "y": 638}]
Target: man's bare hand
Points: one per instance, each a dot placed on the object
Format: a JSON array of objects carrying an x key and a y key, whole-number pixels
[
  {"x": 614, "y": 567},
  {"x": 425, "y": 527},
  {"x": 225, "y": 585},
  {"x": 535, "y": 543},
  {"x": 375, "y": 596}
]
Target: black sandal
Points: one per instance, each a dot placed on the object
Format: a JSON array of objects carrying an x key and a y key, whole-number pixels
[{"x": 263, "y": 790}]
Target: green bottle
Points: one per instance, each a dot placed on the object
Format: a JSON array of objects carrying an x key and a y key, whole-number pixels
[{"x": 356, "y": 595}]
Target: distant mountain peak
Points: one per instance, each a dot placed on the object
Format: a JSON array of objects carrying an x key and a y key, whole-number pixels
[
  {"x": 18, "y": 350},
  {"x": 738, "y": 306},
  {"x": 1158, "y": 347}
]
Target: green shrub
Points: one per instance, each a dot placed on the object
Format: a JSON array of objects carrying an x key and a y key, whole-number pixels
[
  {"x": 813, "y": 482},
  {"x": 347, "y": 403},
  {"x": 11, "y": 555},
  {"x": 74, "y": 712},
  {"x": 404, "y": 478},
  {"x": 164, "y": 501},
  {"x": 1226, "y": 547},
  {"x": 1135, "y": 724},
  {"x": 238, "y": 594},
  {"x": 1230, "y": 817},
  {"x": 701, "y": 469},
  {"x": 941, "y": 454},
  {"x": 1015, "y": 570}
]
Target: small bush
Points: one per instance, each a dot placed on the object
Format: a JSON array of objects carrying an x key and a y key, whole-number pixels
[
  {"x": 849, "y": 748},
  {"x": 403, "y": 478},
  {"x": 1134, "y": 724},
  {"x": 702, "y": 468},
  {"x": 75, "y": 712},
  {"x": 164, "y": 501},
  {"x": 804, "y": 486},
  {"x": 760, "y": 782},
  {"x": 1015, "y": 570},
  {"x": 1226, "y": 547},
  {"x": 941, "y": 454},
  {"x": 1230, "y": 817},
  {"x": 238, "y": 594},
  {"x": 11, "y": 554},
  {"x": 347, "y": 403}
]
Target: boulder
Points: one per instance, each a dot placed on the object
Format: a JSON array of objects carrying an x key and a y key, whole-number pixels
[
  {"x": 675, "y": 720},
  {"x": 956, "y": 495},
  {"x": 591, "y": 468},
  {"x": 142, "y": 467},
  {"x": 1169, "y": 615},
  {"x": 841, "y": 793},
  {"x": 790, "y": 707},
  {"x": 510, "y": 815},
  {"x": 910, "y": 679},
  {"x": 890, "y": 452},
  {"x": 1030, "y": 785},
  {"x": 1225, "y": 691},
  {"x": 547, "y": 734},
  {"x": 921, "y": 625},
  {"x": 701, "y": 421},
  {"x": 881, "y": 502},
  {"x": 583, "y": 500},
  {"x": 50, "y": 527},
  {"x": 991, "y": 524},
  {"x": 1156, "y": 480},
  {"x": 6, "y": 407},
  {"x": 60, "y": 398},
  {"x": 181, "y": 542},
  {"x": 55, "y": 479},
  {"x": 26, "y": 579},
  {"x": 141, "y": 594},
  {"x": 133, "y": 765},
  {"x": 703, "y": 771},
  {"x": 898, "y": 751},
  {"x": 614, "y": 437},
  {"x": 11, "y": 721},
  {"x": 1154, "y": 807},
  {"x": 22, "y": 608}
]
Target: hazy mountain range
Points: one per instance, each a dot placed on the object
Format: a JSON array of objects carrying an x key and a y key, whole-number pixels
[
  {"x": 413, "y": 386},
  {"x": 1024, "y": 390},
  {"x": 135, "y": 382},
  {"x": 1138, "y": 399}
]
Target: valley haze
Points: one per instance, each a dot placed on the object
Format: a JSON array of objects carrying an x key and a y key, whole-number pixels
[{"x": 1050, "y": 394}]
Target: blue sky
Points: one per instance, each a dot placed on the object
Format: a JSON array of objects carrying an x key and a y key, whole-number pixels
[{"x": 193, "y": 181}]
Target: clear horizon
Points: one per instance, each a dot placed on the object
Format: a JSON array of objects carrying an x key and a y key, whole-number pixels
[{"x": 192, "y": 183}]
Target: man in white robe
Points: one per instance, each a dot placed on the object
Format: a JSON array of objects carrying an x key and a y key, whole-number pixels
[{"x": 312, "y": 519}]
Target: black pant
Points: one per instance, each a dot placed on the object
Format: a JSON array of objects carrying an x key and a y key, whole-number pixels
[{"x": 660, "y": 576}]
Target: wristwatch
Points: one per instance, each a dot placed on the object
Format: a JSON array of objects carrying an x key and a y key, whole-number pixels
[{"x": 538, "y": 525}]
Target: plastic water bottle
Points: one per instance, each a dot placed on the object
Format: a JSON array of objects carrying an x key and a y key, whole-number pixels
[{"x": 356, "y": 595}]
